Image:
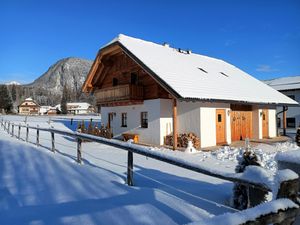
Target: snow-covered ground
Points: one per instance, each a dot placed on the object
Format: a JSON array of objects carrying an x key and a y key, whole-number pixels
[{"x": 40, "y": 187}]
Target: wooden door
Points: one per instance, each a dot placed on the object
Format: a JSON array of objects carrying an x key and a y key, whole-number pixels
[
  {"x": 235, "y": 126},
  {"x": 246, "y": 124},
  {"x": 265, "y": 123},
  {"x": 220, "y": 126},
  {"x": 241, "y": 125}
]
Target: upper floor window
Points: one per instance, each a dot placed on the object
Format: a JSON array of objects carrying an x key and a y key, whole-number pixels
[
  {"x": 124, "y": 119},
  {"x": 134, "y": 78},
  {"x": 144, "y": 119},
  {"x": 115, "y": 81}
]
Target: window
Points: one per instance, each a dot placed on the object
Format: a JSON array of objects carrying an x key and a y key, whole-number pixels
[
  {"x": 291, "y": 122},
  {"x": 203, "y": 70},
  {"x": 144, "y": 119},
  {"x": 224, "y": 74},
  {"x": 278, "y": 122},
  {"x": 291, "y": 96},
  {"x": 134, "y": 79},
  {"x": 219, "y": 118},
  {"x": 115, "y": 82},
  {"x": 124, "y": 119}
]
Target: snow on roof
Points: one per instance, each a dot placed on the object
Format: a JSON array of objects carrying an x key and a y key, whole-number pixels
[
  {"x": 76, "y": 105},
  {"x": 284, "y": 83},
  {"x": 28, "y": 99},
  {"x": 194, "y": 76}
]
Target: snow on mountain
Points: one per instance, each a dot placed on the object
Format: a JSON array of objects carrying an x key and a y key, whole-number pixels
[{"x": 13, "y": 83}]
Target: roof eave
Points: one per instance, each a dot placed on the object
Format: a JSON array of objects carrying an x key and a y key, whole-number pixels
[{"x": 235, "y": 101}]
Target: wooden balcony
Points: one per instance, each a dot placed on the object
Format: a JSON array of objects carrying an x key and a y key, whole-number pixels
[{"x": 127, "y": 93}]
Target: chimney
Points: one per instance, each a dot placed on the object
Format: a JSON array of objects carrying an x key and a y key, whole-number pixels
[{"x": 166, "y": 44}]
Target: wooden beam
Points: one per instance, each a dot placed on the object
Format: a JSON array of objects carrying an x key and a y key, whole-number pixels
[
  {"x": 174, "y": 124},
  {"x": 284, "y": 120}
]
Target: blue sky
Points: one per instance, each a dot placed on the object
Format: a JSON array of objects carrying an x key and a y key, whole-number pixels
[{"x": 260, "y": 37}]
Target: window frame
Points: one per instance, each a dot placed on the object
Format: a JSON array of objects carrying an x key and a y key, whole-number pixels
[
  {"x": 144, "y": 119},
  {"x": 288, "y": 122},
  {"x": 124, "y": 119}
]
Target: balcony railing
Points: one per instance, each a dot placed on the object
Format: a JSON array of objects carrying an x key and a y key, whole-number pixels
[{"x": 127, "y": 92}]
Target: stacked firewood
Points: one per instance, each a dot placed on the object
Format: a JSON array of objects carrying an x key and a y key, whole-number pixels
[
  {"x": 298, "y": 136},
  {"x": 183, "y": 139},
  {"x": 97, "y": 130}
]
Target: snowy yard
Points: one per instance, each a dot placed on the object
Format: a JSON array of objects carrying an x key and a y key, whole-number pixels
[{"x": 41, "y": 187}]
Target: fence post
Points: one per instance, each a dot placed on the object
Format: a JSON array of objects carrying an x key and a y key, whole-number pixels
[
  {"x": 37, "y": 136},
  {"x": 130, "y": 169},
  {"x": 287, "y": 188},
  {"x": 79, "y": 146},
  {"x": 53, "y": 141},
  {"x": 27, "y": 133},
  {"x": 13, "y": 130},
  {"x": 19, "y": 131},
  {"x": 8, "y": 127}
]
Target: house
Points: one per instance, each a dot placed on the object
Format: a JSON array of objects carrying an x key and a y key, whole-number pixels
[
  {"x": 52, "y": 111},
  {"x": 154, "y": 90},
  {"x": 29, "y": 107},
  {"x": 78, "y": 108},
  {"x": 44, "y": 109},
  {"x": 289, "y": 86}
]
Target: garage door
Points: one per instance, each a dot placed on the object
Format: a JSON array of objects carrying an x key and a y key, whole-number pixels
[{"x": 241, "y": 123}]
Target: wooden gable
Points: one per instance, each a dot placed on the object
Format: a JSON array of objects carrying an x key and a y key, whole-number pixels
[{"x": 115, "y": 69}]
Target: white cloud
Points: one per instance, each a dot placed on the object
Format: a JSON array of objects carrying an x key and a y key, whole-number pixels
[{"x": 265, "y": 68}]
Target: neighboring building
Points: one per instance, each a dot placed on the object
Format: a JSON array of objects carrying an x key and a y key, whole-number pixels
[
  {"x": 44, "y": 109},
  {"x": 78, "y": 108},
  {"x": 52, "y": 111},
  {"x": 29, "y": 107},
  {"x": 290, "y": 86},
  {"x": 152, "y": 90}
]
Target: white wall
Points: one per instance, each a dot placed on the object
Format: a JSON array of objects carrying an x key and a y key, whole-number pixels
[
  {"x": 188, "y": 114},
  {"x": 166, "y": 118},
  {"x": 208, "y": 123},
  {"x": 272, "y": 123},
  {"x": 151, "y": 135}
]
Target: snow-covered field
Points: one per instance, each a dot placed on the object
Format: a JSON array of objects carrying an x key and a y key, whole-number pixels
[{"x": 41, "y": 187}]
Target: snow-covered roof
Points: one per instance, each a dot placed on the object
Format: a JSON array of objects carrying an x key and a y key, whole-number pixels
[
  {"x": 194, "y": 76},
  {"x": 284, "y": 83},
  {"x": 76, "y": 105},
  {"x": 28, "y": 99}
]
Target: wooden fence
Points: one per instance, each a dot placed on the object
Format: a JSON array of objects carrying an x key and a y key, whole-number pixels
[{"x": 286, "y": 189}]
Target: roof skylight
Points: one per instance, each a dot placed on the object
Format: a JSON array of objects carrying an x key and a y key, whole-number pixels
[
  {"x": 203, "y": 70},
  {"x": 224, "y": 74}
]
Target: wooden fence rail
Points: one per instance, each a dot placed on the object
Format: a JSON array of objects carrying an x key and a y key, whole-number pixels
[{"x": 287, "y": 189}]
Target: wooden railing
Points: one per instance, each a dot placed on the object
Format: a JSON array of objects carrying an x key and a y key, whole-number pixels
[
  {"x": 286, "y": 189},
  {"x": 119, "y": 93}
]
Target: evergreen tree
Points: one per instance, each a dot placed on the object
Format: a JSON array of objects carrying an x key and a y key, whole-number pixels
[
  {"x": 244, "y": 196},
  {"x": 64, "y": 100},
  {"x": 5, "y": 99},
  {"x": 14, "y": 92}
]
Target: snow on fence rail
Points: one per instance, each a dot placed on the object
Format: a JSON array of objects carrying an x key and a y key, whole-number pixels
[{"x": 283, "y": 185}]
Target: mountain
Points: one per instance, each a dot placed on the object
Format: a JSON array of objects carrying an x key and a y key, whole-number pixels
[
  {"x": 47, "y": 89},
  {"x": 13, "y": 83},
  {"x": 69, "y": 71}
]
